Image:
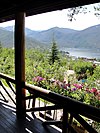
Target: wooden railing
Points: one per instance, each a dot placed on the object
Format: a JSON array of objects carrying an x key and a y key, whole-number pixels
[{"x": 72, "y": 109}]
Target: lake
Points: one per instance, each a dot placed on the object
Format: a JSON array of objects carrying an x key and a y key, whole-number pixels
[{"x": 79, "y": 52}]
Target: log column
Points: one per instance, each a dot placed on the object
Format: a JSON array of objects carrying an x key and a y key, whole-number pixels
[
  {"x": 65, "y": 121},
  {"x": 20, "y": 63}
]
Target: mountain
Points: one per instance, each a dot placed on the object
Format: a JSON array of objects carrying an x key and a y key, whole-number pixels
[
  {"x": 89, "y": 38},
  {"x": 4, "y": 37},
  {"x": 7, "y": 39},
  {"x": 28, "y": 31},
  {"x": 46, "y": 37},
  {"x": 9, "y": 28},
  {"x": 64, "y": 37},
  {"x": 55, "y": 33}
]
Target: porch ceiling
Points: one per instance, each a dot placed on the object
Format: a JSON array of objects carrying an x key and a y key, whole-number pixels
[{"x": 8, "y": 8}]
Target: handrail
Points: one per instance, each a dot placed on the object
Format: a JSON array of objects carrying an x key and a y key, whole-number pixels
[
  {"x": 66, "y": 102},
  {"x": 6, "y": 77}
]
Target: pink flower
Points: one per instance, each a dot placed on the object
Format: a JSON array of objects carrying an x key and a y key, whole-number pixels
[
  {"x": 94, "y": 90},
  {"x": 78, "y": 86},
  {"x": 38, "y": 79}
]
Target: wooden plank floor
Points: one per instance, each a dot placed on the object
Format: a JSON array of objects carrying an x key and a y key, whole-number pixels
[{"x": 10, "y": 124}]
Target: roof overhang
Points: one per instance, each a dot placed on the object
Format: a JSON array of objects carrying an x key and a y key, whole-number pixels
[{"x": 9, "y": 8}]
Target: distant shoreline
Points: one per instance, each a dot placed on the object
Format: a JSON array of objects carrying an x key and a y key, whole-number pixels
[{"x": 82, "y": 53}]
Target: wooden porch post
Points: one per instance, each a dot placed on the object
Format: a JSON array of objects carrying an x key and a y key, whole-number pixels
[
  {"x": 20, "y": 63},
  {"x": 65, "y": 121}
]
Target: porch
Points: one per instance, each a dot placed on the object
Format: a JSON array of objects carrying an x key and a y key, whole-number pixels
[
  {"x": 10, "y": 124},
  {"x": 14, "y": 116}
]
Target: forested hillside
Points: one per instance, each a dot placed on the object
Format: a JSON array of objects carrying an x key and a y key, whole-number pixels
[
  {"x": 68, "y": 38},
  {"x": 7, "y": 40}
]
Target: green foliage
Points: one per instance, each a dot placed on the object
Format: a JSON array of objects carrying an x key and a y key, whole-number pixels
[
  {"x": 96, "y": 74},
  {"x": 75, "y": 11},
  {"x": 7, "y": 61},
  {"x": 72, "y": 12},
  {"x": 37, "y": 65},
  {"x": 83, "y": 68}
]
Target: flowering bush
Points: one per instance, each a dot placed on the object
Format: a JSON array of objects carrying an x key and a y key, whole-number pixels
[
  {"x": 76, "y": 91},
  {"x": 39, "y": 81}
]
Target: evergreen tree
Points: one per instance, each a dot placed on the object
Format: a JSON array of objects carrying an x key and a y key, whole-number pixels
[{"x": 54, "y": 53}]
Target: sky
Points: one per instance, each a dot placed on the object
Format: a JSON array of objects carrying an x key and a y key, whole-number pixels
[{"x": 59, "y": 18}]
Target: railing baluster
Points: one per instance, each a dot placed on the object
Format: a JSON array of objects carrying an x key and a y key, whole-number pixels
[
  {"x": 11, "y": 87},
  {"x": 29, "y": 102},
  {"x": 84, "y": 124},
  {"x": 7, "y": 92},
  {"x": 3, "y": 97}
]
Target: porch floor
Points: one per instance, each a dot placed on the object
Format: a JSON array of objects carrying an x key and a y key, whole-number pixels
[{"x": 10, "y": 124}]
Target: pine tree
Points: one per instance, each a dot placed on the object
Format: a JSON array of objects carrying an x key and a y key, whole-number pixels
[{"x": 54, "y": 53}]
